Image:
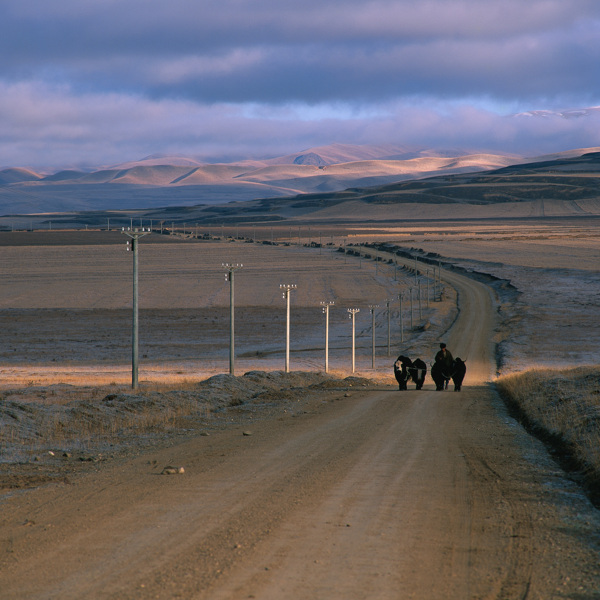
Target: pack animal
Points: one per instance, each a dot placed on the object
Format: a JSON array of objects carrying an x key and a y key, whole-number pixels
[
  {"x": 402, "y": 371},
  {"x": 418, "y": 372},
  {"x": 439, "y": 375},
  {"x": 459, "y": 370}
]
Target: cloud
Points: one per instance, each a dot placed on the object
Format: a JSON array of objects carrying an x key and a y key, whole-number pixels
[
  {"x": 269, "y": 51},
  {"x": 107, "y": 128},
  {"x": 92, "y": 80}
]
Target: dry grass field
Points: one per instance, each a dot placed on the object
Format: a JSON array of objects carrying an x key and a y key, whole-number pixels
[
  {"x": 66, "y": 300},
  {"x": 66, "y": 328},
  {"x": 554, "y": 267},
  {"x": 67, "y": 409},
  {"x": 66, "y": 310}
]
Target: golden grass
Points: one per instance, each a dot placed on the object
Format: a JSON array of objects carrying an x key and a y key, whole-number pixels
[
  {"x": 563, "y": 408},
  {"x": 91, "y": 376}
]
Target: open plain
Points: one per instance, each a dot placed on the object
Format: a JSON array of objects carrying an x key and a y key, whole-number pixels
[{"x": 299, "y": 485}]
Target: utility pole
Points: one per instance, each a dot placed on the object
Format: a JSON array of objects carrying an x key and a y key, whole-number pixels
[
  {"x": 287, "y": 289},
  {"x": 400, "y": 297},
  {"x": 132, "y": 245},
  {"x": 372, "y": 308},
  {"x": 326, "y": 306},
  {"x": 353, "y": 312},
  {"x": 231, "y": 269},
  {"x": 389, "y": 325}
]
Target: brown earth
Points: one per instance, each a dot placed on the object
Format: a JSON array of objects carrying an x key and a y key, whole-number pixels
[{"x": 352, "y": 494}]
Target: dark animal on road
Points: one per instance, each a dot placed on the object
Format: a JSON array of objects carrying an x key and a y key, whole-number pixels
[
  {"x": 401, "y": 371},
  {"x": 439, "y": 375},
  {"x": 459, "y": 369},
  {"x": 418, "y": 372}
]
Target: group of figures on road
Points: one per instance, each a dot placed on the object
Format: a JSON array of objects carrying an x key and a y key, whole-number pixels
[{"x": 443, "y": 369}]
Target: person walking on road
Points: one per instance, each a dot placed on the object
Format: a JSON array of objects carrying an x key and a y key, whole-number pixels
[{"x": 444, "y": 357}]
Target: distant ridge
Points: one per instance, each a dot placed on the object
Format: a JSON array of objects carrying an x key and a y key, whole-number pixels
[
  {"x": 344, "y": 153},
  {"x": 173, "y": 180},
  {"x": 65, "y": 175},
  {"x": 162, "y": 159},
  {"x": 565, "y": 187},
  {"x": 17, "y": 175},
  {"x": 572, "y": 181}
]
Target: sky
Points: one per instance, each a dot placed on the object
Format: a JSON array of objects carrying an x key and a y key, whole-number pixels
[{"x": 98, "y": 82}]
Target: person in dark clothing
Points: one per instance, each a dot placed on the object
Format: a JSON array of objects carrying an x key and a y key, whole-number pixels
[
  {"x": 444, "y": 357},
  {"x": 401, "y": 371},
  {"x": 459, "y": 370},
  {"x": 418, "y": 372}
]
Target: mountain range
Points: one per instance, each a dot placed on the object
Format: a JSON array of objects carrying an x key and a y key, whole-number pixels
[
  {"x": 161, "y": 180},
  {"x": 562, "y": 186},
  {"x": 316, "y": 179}
]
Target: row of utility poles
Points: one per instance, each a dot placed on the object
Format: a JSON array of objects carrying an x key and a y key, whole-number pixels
[
  {"x": 287, "y": 290},
  {"x": 132, "y": 245}
]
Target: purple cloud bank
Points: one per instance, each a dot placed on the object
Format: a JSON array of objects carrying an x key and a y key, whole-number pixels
[{"x": 102, "y": 81}]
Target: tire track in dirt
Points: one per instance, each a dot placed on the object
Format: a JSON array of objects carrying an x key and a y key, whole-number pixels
[{"x": 516, "y": 522}]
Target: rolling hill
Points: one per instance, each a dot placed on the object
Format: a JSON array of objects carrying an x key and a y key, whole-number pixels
[
  {"x": 383, "y": 189},
  {"x": 561, "y": 187},
  {"x": 174, "y": 180}
]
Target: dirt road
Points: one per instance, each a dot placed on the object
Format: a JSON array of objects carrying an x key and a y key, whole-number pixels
[{"x": 378, "y": 494}]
